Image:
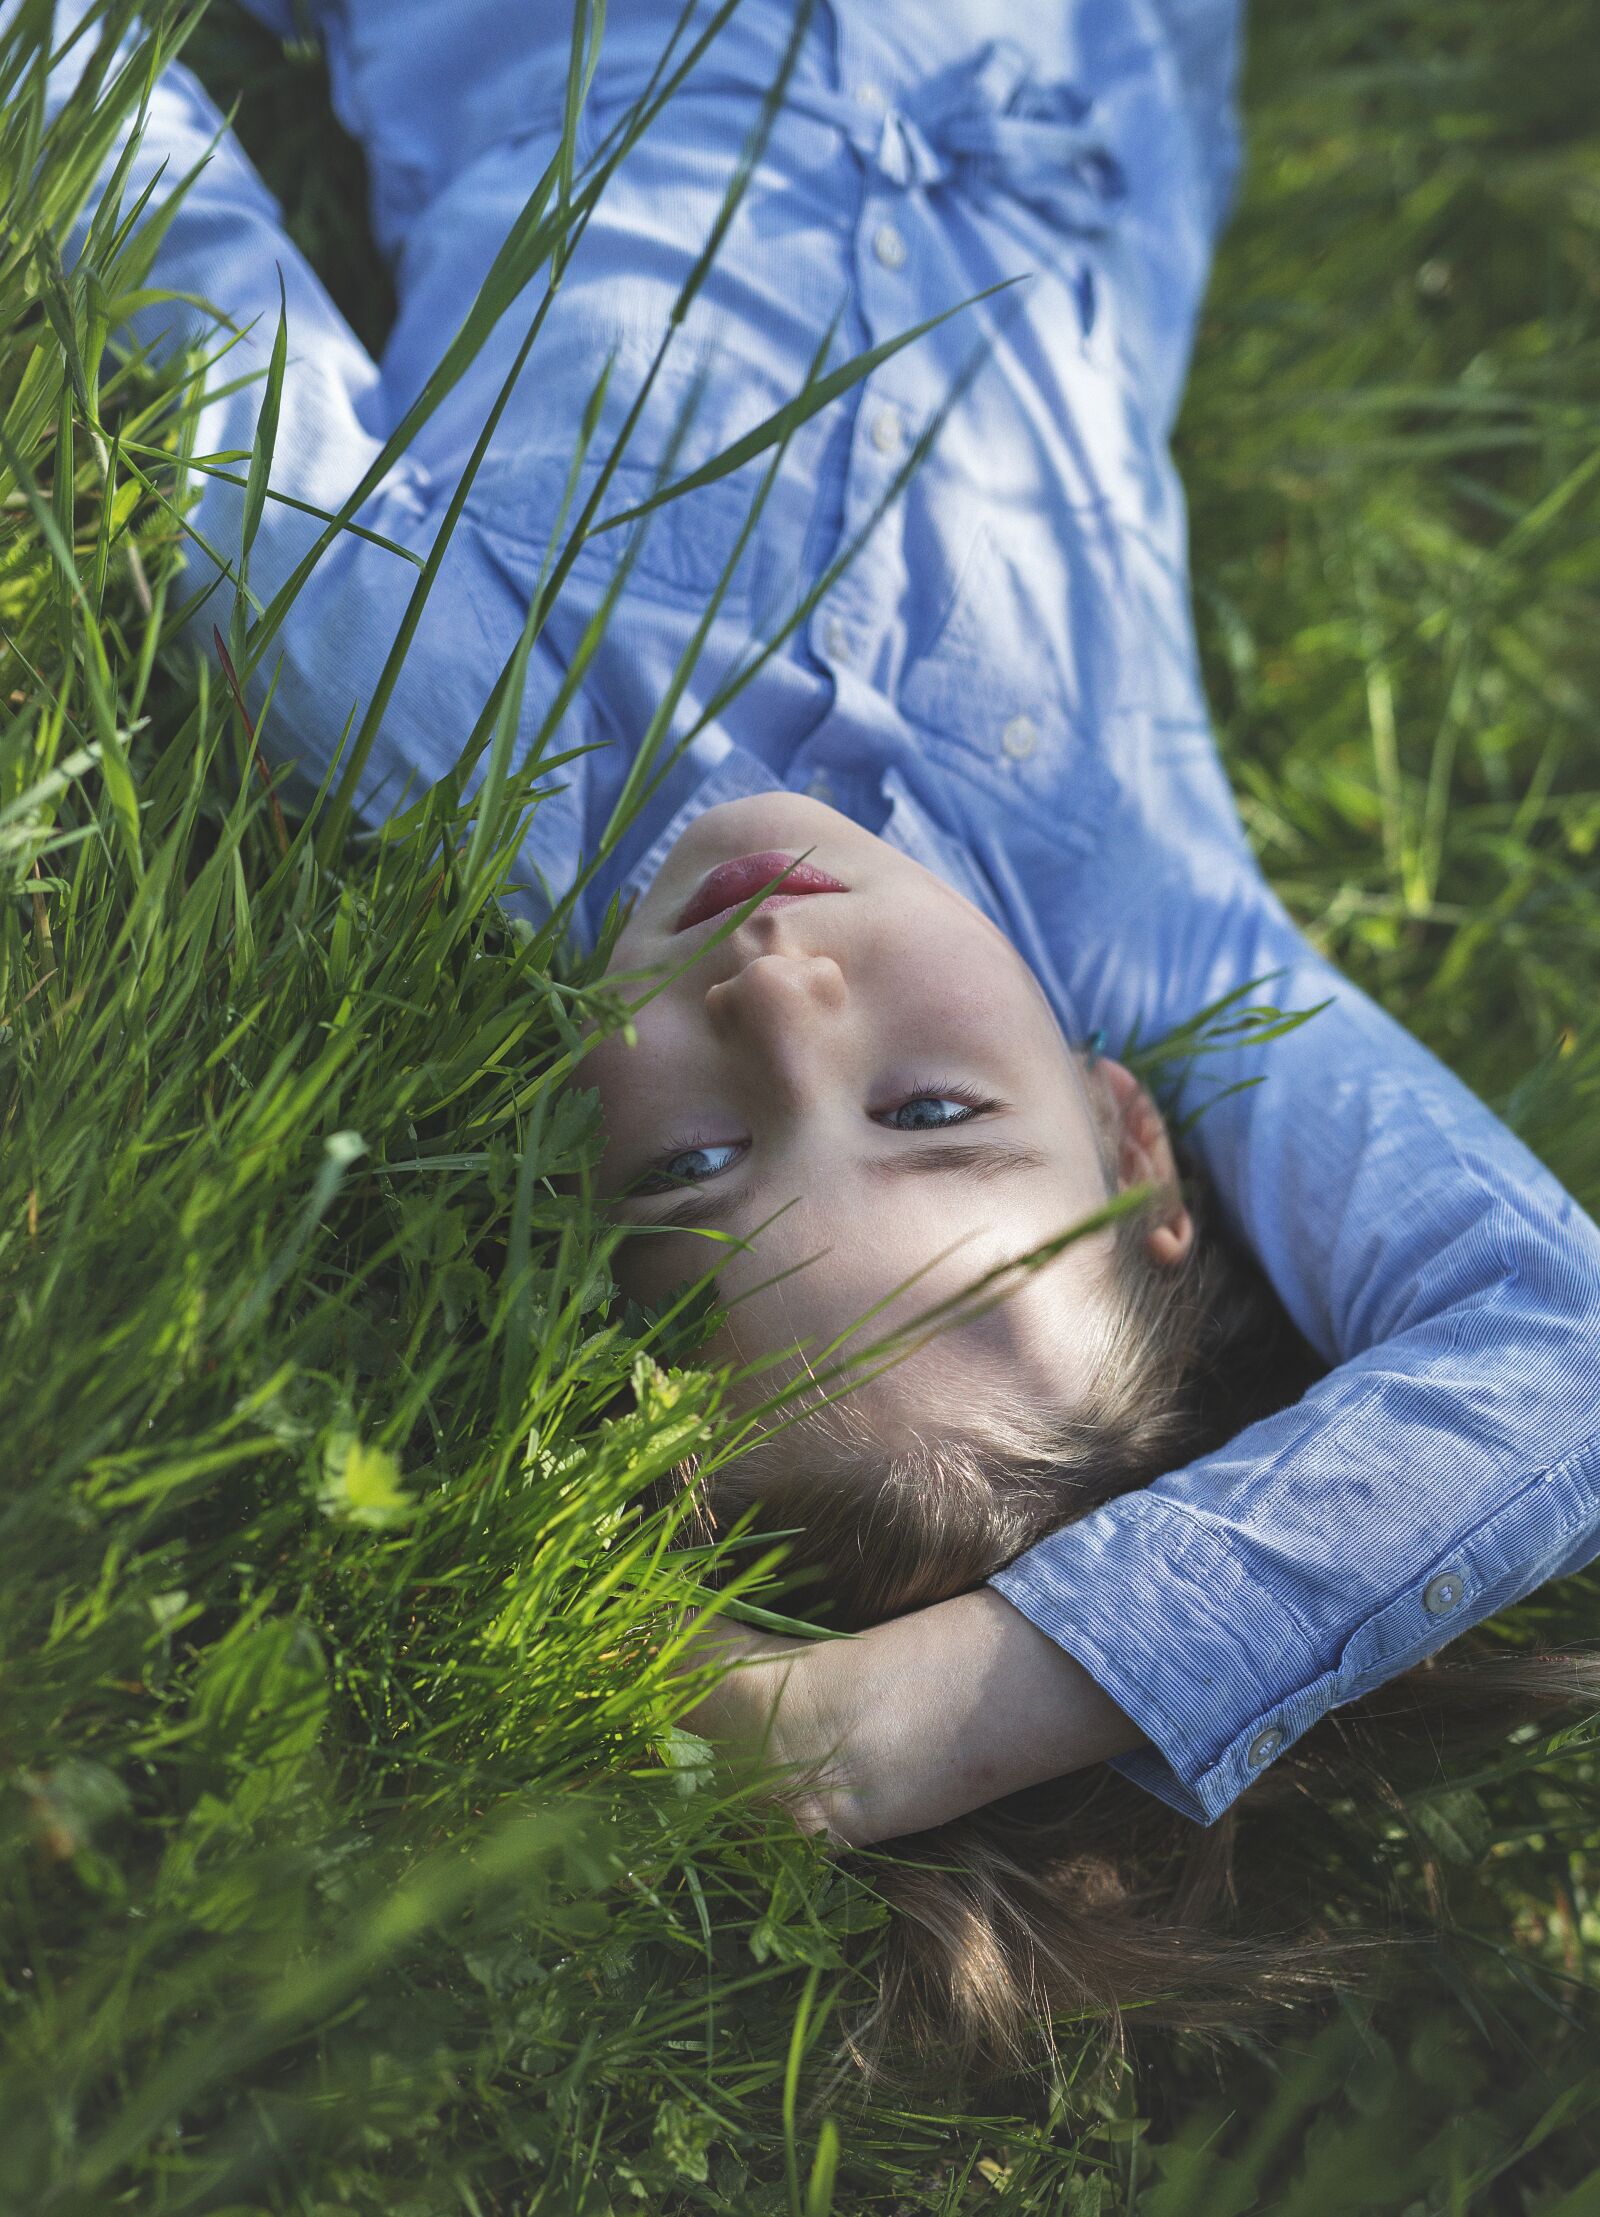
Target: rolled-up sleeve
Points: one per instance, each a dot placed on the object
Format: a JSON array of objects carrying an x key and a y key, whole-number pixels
[{"x": 1447, "y": 1465}]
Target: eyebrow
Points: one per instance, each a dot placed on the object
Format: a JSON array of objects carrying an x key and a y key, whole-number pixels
[{"x": 977, "y": 1159}]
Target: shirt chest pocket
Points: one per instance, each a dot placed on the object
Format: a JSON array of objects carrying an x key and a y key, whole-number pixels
[
  {"x": 679, "y": 555},
  {"x": 1019, "y": 678}
]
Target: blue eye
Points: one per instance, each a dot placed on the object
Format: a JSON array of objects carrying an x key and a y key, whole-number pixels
[
  {"x": 923, "y": 1112},
  {"x": 690, "y": 1166},
  {"x": 925, "y": 1102},
  {"x": 929, "y": 1107}
]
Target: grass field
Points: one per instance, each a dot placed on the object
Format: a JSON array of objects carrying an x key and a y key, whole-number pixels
[{"x": 351, "y": 1859}]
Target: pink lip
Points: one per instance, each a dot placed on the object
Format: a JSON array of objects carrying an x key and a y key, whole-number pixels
[{"x": 732, "y": 883}]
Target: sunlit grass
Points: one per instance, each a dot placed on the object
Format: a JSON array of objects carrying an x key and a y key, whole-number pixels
[{"x": 351, "y": 1859}]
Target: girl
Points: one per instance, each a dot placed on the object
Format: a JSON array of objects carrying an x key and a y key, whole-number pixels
[{"x": 978, "y": 773}]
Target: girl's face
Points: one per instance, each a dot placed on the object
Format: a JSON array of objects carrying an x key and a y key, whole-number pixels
[{"x": 861, "y": 1084}]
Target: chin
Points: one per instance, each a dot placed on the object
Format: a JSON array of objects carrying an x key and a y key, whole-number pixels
[{"x": 760, "y": 819}]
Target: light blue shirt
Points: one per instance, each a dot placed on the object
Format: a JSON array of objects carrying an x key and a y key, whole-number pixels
[{"x": 1003, "y": 685}]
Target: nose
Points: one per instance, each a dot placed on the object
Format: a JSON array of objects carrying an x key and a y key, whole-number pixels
[{"x": 777, "y": 1012}]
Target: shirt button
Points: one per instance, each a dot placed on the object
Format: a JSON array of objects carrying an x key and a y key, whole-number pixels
[
  {"x": 1264, "y": 1747},
  {"x": 821, "y": 787},
  {"x": 1442, "y": 1594},
  {"x": 872, "y": 96},
  {"x": 889, "y": 246},
  {"x": 885, "y": 433},
  {"x": 1020, "y": 738},
  {"x": 836, "y": 639}
]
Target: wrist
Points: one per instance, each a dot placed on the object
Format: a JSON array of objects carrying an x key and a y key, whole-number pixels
[{"x": 951, "y": 1707}]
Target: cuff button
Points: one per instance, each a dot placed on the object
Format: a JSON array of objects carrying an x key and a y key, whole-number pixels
[
  {"x": 1442, "y": 1594},
  {"x": 1264, "y": 1747}
]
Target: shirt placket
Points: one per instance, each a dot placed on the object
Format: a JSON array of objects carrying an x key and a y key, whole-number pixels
[{"x": 856, "y": 630}]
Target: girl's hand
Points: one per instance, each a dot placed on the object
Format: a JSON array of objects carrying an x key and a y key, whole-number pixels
[
  {"x": 911, "y": 1723},
  {"x": 774, "y": 1708}
]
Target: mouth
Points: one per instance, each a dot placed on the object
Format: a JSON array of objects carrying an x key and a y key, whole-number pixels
[{"x": 731, "y": 884}]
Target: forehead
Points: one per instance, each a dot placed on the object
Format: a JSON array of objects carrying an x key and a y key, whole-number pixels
[
  {"x": 1034, "y": 1351},
  {"x": 836, "y": 1306}
]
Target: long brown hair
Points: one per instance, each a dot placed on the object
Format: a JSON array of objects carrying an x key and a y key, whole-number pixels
[{"x": 1087, "y": 1898}]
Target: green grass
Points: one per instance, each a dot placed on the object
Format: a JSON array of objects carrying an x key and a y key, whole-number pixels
[{"x": 351, "y": 1862}]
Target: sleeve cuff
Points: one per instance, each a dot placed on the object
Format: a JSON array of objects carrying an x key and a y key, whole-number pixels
[{"x": 1168, "y": 1624}]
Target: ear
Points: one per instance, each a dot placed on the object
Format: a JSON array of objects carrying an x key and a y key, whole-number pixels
[{"x": 1144, "y": 1157}]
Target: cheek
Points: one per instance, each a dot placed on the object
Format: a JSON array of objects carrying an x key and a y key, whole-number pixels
[
  {"x": 622, "y": 1076},
  {"x": 601, "y": 1070},
  {"x": 626, "y": 1076},
  {"x": 958, "y": 981},
  {"x": 653, "y": 1090}
]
